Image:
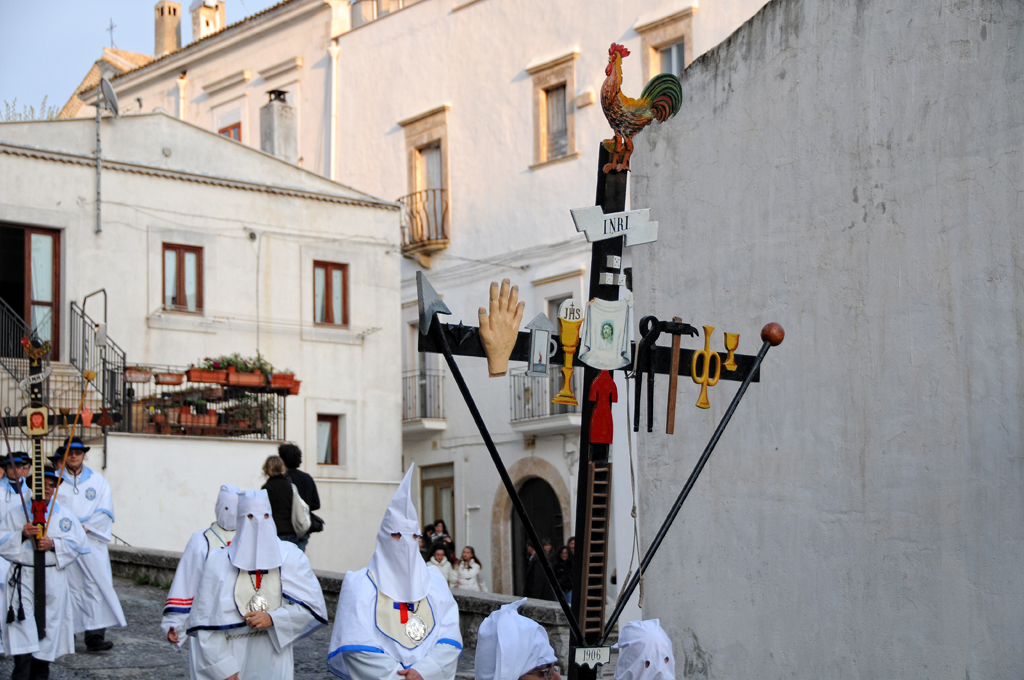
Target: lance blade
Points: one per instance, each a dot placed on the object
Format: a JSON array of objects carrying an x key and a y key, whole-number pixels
[{"x": 430, "y": 303}]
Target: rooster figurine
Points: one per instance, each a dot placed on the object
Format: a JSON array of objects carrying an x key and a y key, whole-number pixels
[{"x": 660, "y": 100}]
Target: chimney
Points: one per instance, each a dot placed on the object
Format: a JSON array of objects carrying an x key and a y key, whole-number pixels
[
  {"x": 278, "y": 129},
  {"x": 168, "y": 28},
  {"x": 207, "y": 18}
]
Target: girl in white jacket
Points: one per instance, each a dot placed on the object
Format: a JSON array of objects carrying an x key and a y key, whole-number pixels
[
  {"x": 439, "y": 559},
  {"x": 467, "y": 571}
]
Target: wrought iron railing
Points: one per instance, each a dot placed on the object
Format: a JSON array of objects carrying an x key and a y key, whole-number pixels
[
  {"x": 12, "y": 329},
  {"x": 199, "y": 409},
  {"x": 425, "y": 220},
  {"x": 422, "y": 395},
  {"x": 103, "y": 356},
  {"x": 531, "y": 397}
]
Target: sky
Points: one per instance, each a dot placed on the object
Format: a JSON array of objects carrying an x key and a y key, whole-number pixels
[{"x": 47, "y": 46}]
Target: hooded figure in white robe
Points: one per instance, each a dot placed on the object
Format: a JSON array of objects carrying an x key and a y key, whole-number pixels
[
  {"x": 87, "y": 496},
  {"x": 69, "y": 545},
  {"x": 190, "y": 567},
  {"x": 397, "y": 617},
  {"x": 509, "y": 645},
  {"x": 645, "y": 652},
  {"x": 255, "y": 599}
]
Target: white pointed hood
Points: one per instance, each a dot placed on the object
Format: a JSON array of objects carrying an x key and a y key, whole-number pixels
[
  {"x": 227, "y": 507},
  {"x": 256, "y": 545},
  {"x": 397, "y": 567},
  {"x": 645, "y": 652},
  {"x": 509, "y": 645}
]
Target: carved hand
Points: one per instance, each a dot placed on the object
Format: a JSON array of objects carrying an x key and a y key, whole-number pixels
[{"x": 500, "y": 328}]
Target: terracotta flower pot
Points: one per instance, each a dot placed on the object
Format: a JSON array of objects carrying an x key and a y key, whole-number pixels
[
  {"x": 254, "y": 379},
  {"x": 169, "y": 378},
  {"x": 293, "y": 389},
  {"x": 134, "y": 375},
  {"x": 282, "y": 379},
  {"x": 199, "y": 375}
]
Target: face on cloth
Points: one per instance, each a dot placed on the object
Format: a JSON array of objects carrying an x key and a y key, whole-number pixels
[
  {"x": 255, "y": 545},
  {"x": 645, "y": 652},
  {"x": 509, "y": 645},
  {"x": 227, "y": 507},
  {"x": 397, "y": 566}
]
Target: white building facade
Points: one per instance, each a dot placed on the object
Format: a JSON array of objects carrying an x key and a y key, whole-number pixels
[
  {"x": 482, "y": 118},
  {"x": 207, "y": 248}
]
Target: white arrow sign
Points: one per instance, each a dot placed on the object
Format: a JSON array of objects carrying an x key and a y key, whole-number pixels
[
  {"x": 27, "y": 383},
  {"x": 635, "y": 225}
]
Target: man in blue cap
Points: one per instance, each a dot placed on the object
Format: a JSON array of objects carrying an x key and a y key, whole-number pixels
[
  {"x": 14, "y": 491},
  {"x": 86, "y": 494}
]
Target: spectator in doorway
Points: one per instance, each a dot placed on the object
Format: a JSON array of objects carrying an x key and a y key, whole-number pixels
[
  {"x": 292, "y": 457},
  {"x": 571, "y": 544},
  {"x": 441, "y": 532},
  {"x": 537, "y": 585},
  {"x": 563, "y": 571},
  {"x": 439, "y": 559},
  {"x": 467, "y": 570},
  {"x": 279, "y": 492}
]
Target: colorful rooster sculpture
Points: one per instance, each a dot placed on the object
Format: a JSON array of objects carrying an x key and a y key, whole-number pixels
[{"x": 660, "y": 100}]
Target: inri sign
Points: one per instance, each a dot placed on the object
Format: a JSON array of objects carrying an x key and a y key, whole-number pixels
[{"x": 635, "y": 225}]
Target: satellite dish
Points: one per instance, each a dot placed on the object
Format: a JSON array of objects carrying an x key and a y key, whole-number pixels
[{"x": 109, "y": 98}]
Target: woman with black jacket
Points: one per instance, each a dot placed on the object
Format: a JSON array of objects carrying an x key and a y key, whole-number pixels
[{"x": 279, "y": 489}]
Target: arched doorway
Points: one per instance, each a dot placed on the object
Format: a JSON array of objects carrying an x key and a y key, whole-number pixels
[{"x": 545, "y": 511}]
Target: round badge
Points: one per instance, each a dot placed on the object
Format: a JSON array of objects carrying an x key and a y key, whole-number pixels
[
  {"x": 90, "y": 494},
  {"x": 416, "y": 629},
  {"x": 258, "y": 603},
  {"x": 65, "y": 524}
]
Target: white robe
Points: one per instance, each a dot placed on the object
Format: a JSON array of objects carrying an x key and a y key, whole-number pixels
[
  {"x": 70, "y": 544},
  {"x": 96, "y": 606},
  {"x": 10, "y": 500},
  {"x": 226, "y": 645},
  {"x": 186, "y": 582},
  {"x": 360, "y": 650}
]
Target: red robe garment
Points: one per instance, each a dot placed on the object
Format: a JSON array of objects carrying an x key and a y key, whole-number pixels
[{"x": 604, "y": 392}]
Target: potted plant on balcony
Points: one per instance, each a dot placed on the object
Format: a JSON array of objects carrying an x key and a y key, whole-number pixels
[
  {"x": 283, "y": 379},
  {"x": 248, "y": 371},
  {"x": 210, "y": 370},
  {"x": 169, "y": 378},
  {"x": 137, "y": 374}
]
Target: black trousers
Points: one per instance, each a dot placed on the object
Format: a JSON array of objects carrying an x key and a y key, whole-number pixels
[
  {"x": 27, "y": 667},
  {"x": 94, "y": 636}
]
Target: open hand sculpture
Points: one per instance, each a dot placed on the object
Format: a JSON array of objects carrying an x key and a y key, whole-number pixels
[{"x": 500, "y": 328}]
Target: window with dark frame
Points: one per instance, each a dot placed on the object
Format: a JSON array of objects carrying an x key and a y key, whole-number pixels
[
  {"x": 330, "y": 293},
  {"x": 232, "y": 132},
  {"x": 328, "y": 433},
  {"x": 558, "y": 129},
  {"x": 183, "y": 278}
]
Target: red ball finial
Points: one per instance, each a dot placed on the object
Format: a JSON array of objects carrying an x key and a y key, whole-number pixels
[{"x": 773, "y": 333}]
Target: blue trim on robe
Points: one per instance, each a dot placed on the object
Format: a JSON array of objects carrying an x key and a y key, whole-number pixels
[
  {"x": 177, "y": 610},
  {"x": 76, "y": 548},
  {"x": 305, "y": 606},
  {"x": 68, "y": 477},
  {"x": 355, "y": 648},
  {"x": 227, "y": 627},
  {"x": 449, "y": 641}
]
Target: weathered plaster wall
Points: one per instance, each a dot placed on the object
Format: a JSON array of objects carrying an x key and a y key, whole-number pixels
[{"x": 853, "y": 170}]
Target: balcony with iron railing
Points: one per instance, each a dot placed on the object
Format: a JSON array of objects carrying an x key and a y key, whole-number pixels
[
  {"x": 424, "y": 222},
  {"x": 422, "y": 404},
  {"x": 531, "y": 409}
]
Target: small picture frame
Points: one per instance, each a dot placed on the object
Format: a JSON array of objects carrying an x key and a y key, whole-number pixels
[{"x": 37, "y": 421}]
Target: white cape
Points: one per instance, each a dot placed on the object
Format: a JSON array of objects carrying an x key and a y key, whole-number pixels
[
  {"x": 70, "y": 544},
  {"x": 92, "y": 585},
  {"x": 361, "y": 651},
  {"x": 10, "y": 499},
  {"x": 225, "y": 645}
]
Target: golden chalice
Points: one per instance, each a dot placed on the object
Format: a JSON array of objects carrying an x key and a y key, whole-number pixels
[
  {"x": 570, "y": 318},
  {"x": 732, "y": 341}
]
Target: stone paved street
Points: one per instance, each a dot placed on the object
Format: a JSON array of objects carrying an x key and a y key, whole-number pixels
[{"x": 140, "y": 652}]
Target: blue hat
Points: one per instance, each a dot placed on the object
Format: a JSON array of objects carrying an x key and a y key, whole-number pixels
[
  {"x": 76, "y": 443},
  {"x": 16, "y": 457}
]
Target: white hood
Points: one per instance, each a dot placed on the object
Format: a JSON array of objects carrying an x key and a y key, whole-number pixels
[
  {"x": 397, "y": 567},
  {"x": 227, "y": 507},
  {"x": 509, "y": 645},
  {"x": 255, "y": 545},
  {"x": 645, "y": 652}
]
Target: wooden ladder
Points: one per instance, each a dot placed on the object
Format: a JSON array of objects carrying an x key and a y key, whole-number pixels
[{"x": 595, "y": 549}]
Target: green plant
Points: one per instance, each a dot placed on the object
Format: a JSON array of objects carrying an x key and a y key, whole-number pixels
[{"x": 241, "y": 363}]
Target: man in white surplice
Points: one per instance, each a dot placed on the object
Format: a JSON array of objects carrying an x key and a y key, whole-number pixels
[
  {"x": 190, "y": 568},
  {"x": 85, "y": 493},
  {"x": 397, "y": 617},
  {"x": 255, "y": 599}
]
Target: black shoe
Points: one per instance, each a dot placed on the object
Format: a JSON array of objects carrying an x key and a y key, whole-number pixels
[{"x": 99, "y": 646}]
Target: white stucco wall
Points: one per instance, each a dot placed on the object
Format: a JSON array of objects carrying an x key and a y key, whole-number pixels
[
  {"x": 257, "y": 293},
  {"x": 852, "y": 170}
]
